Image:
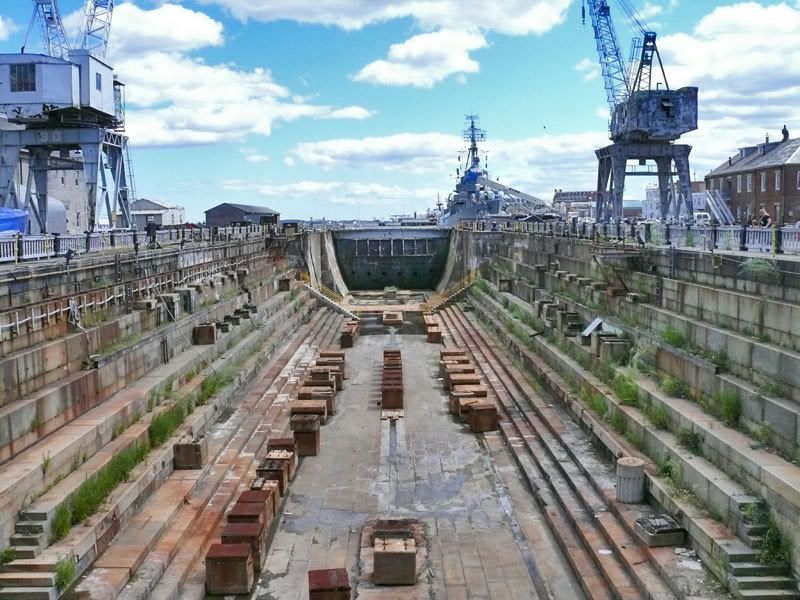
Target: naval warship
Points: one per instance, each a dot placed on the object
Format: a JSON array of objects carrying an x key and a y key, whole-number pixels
[{"x": 476, "y": 196}]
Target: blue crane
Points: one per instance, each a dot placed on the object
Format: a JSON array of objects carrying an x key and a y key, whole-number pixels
[
  {"x": 646, "y": 119},
  {"x": 615, "y": 74},
  {"x": 54, "y": 40},
  {"x": 621, "y": 80},
  {"x": 96, "y": 25}
]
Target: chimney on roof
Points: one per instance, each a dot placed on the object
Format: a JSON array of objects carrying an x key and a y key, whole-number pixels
[
  {"x": 785, "y": 133},
  {"x": 767, "y": 138},
  {"x": 730, "y": 161}
]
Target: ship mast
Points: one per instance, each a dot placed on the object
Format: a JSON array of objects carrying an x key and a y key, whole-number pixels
[{"x": 473, "y": 135}]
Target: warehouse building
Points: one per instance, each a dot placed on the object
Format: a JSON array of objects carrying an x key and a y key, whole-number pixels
[{"x": 227, "y": 213}]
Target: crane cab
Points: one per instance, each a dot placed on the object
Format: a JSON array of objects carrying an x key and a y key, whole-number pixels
[
  {"x": 655, "y": 115},
  {"x": 37, "y": 88}
]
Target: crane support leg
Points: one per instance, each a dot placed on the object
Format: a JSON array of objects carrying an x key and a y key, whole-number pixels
[
  {"x": 9, "y": 158},
  {"x": 603, "y": 182},
  {"x": 664, "y": 165},
  {"x": 39, "y": 163},
  {"x": 682, "y": 166},
  {"x": 619, "y": 160},
  {"x": 91, "y": 170}
]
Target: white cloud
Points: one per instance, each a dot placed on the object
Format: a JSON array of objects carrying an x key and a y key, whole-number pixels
[
  {"x": 167, "y": 28},
  {"x": 535, "y": 164},
  {"x": 417, "y": 152},
  {"x": 335, "y": 192},
  {"x": 515, "y": 17},
  {"x": 453, "y": 29},
  {"x": 745, "y": 58},
  {"x": 175, "y": 98},
  {"x": 7, "y": 27},
  {"x": 256, "y": 158},
  {"x": 425, "y": 59},
  {"x": 590, "y": 69}
]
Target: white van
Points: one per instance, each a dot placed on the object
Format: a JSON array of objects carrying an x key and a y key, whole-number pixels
[{"x": 702, "y": 218}]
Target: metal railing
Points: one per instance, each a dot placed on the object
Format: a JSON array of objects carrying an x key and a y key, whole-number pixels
[
  {"x": 16, "y": 248},
  {"x": 774, "y": 240}
]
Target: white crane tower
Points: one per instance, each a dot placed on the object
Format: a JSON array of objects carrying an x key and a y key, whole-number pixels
[{"x": 67, "y": 98}]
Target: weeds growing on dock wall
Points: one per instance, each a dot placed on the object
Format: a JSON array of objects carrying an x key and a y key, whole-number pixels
[
  {"x": 626, "y": 390},
  {"x": 65, "y": 572},
  {"x": 730, "y": 408},
  {"x": 675, "y": 387},
  {"x": 690, "y": 440},
  {"x": 165, "y": 423},
  {"x": 606, "y": 372},
  {"x": 7, "y": 555},
  {"x": 775, "y": 548},
  {"x": 761, "y": 269},
  {"x": 767, "y": 385},
  {"x": 617, "y": 420},
  {"x": 658, "y": 416},
  {"x": 675, "y": 338},
  {"x": 594, "y": 401}
]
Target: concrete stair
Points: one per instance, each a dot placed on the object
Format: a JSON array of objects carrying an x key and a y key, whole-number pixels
[
  {"x": 27, "y": 577},
  {"x": 330, "y": 303},
  {"x": 41, "y": 579},
  {"x": 29, "y": 593},
  {"x": 761, "y": 594}
]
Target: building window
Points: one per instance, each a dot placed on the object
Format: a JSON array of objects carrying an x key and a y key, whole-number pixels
[
  {"x": 62, "y": 180},
  {"x": 777, "y": 181},
  {"x": 750, "y": 182},
  {"x": 76, "y": 182},
  {"x": 738, "y": 184},
  {"x": 78, "y": 221},
  {"x": 763, "y": 182},
  {"x": 23, "y": 78},
  {"x": 798, "y": 180},
  {"x": 98, "y": 82}
]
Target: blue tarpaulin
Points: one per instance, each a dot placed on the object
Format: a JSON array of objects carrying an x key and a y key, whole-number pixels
[{"x": 13, "y": 220}]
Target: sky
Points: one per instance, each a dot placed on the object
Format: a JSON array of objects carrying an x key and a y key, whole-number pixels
[{"x": 355, "y": 108}]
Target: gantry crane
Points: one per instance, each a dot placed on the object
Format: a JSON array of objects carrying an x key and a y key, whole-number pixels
[
  {"x": 67, "y": 98},
  {"x": 645, "y": 121}
]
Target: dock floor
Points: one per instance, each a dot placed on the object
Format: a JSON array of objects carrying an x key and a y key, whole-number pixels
[{"x": 486, "y": 537}]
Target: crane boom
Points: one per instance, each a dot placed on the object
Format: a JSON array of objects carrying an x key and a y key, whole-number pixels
[
  {"x": 46, "y": 13},
  {"x": 96, "y": 26},
  {"x": 612, "y": 65}
]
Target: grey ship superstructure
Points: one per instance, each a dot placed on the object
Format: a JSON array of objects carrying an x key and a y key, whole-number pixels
[{"x": 476, "y": 195}]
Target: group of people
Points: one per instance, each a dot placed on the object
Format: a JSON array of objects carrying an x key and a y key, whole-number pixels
[{"x": 764, "y": 220}]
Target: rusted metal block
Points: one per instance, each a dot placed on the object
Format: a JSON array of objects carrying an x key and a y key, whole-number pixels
[
  {"x": 246, "y": 512},
  {"x": 204, "y": 334},
  {"x": 328, "y": 584},
  {"x": 464, "y": 379},
  {"x": 395, "y": 561},
  {"x": 482, "y": 417},
  {"x": 229, "y": 569},
  {"x": 248, "y": 533},
  {"x": 304, "y": 423},
  {"x": 263, "y": 497},
  {"x": 308, "y": 442},
  {"x": 275, "y": 470},
  {"x": 190, "y": 454}
]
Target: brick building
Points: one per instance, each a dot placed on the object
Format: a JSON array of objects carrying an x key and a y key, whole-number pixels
[{"x": 763, "y": 176}]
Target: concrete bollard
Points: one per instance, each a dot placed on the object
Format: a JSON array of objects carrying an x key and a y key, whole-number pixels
[{"x": 630, "y": 480}]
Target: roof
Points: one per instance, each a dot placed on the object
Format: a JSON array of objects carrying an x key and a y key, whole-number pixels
[
  {"x": 146, "y": 204},
  {"x": 775, "y": 154},
  {"x": 248, "y": 208}
]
